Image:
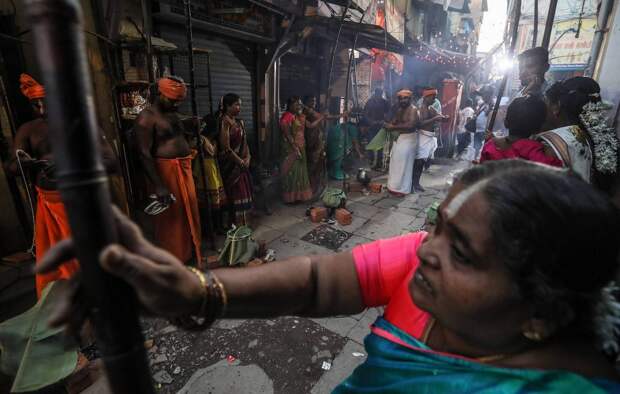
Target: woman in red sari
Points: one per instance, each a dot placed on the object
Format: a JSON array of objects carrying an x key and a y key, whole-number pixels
[{"x": 235, "y": 160}]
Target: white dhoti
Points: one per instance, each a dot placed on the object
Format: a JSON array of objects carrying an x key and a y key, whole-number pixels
[
  {"x": 401, "y": 163},
  {"x": 426, "y": 144}
]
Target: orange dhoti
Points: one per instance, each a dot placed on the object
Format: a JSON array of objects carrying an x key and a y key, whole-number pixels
[
  {"x": 51, "y": 227},
  {"x": 177, "y": 229}
]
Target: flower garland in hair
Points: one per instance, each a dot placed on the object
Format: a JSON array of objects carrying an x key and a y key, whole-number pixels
[
  {"x": 604, "y": 137},
  {"x": 607, "y": 319}
]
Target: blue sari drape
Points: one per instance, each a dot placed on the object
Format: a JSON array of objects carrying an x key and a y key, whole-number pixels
[{"x": 411, "y": 367}]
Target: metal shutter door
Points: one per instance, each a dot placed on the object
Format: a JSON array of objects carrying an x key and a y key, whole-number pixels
[{"x": 233, "y": 66}]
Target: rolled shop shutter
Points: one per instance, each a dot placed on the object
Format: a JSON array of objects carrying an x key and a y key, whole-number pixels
[{"x": 233, "y": 69}]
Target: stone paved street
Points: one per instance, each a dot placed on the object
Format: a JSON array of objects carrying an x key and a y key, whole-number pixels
[{"x": 291, "y": 354}]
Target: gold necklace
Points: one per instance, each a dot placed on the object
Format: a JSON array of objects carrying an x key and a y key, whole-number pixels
[{"x": 483, "y": 359}]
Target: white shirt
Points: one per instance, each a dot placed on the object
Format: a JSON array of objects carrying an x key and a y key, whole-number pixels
[{"x": 465, "y": 114}]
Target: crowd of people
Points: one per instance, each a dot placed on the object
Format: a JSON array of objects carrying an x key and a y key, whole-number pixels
[{"x": 495, "y": 297}]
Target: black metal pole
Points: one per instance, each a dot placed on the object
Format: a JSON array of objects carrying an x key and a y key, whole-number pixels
[
  {"x": 210, "y": 82},
  {"x": 148, "y": 34},
  {"x": 535, "y": 34},
  {"x": 192, "y": 92},
  {"x": 549, "y": 25},
  {"x": 346, "y": 109},
  {"x": 513, "y": 44},
  {"x": 5, "y": 156},
  {"x": 333, "y": 55},
  {"x": 61, "y": 52}
]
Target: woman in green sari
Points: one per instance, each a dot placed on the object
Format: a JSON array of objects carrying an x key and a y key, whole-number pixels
[
  {"x": 342, "y": 141},
  {"x": 509, "y": 294},
  {"x": 294, "y": 168}
]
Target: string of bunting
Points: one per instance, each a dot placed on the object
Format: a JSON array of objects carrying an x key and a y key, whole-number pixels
[
  {"x": 436, "y": 56},
  {"x": 450, "y": 56}
]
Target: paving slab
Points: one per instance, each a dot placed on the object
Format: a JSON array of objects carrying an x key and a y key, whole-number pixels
[
  {"x": 375, "y": 230},
  {"x": 363, "y": 210},
  {"x": 339, "y": 325},
  {"x": 388, "y": 202},
  {"x": 355, "y": 225},
  {"x": 353, "y": 242},
  {"x": 266, "y": 233},
  {"x": 362, "y": 328},
  {"x": 342, "y": 367},
  {"x": 279, "y": 222},
  {"x": 392, "y": 218},
  {"x": 286, "y": 247},
  {"x": 370, "y": 199},
  {"x": 299, "y": 229},
  {"x": 223, "y": 378}
]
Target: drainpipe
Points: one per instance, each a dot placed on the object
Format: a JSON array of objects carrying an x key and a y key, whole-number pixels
[{"x": 599, "y": 36}]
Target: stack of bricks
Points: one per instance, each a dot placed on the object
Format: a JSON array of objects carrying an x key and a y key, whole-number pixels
[
  {"x": 344, "y": 217},
  {"x": 376, "y": 187},
  {"x": 317, "y": 215}
]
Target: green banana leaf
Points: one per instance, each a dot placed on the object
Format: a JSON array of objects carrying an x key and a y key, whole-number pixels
[
  {"x": 36, "y": 354},
  {"x": 378, "y": 142},
  {"x": 239, "y": 247}
]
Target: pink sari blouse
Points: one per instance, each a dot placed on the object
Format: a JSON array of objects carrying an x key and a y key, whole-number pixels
[{"x": 384, "y": 270}]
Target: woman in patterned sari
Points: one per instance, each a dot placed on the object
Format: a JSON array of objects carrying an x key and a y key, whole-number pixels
[
  {"x": 511, "y": 292},
  {"x": 234, "y": 159},
  {"x": 294, "y": 168}
]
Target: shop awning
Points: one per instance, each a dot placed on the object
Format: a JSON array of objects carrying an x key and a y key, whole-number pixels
[{"x": 369, "y": 36}]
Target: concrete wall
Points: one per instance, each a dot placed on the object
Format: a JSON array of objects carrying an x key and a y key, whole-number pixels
[{"x": 606, "y": 72}]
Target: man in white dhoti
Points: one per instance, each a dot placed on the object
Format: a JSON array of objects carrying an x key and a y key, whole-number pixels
[
  {"x": 403, "y": 151},
  {"x": 428, "y": 126}
]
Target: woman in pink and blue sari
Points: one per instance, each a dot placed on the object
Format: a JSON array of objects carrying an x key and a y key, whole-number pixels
[{"x": 507, "y": 294}]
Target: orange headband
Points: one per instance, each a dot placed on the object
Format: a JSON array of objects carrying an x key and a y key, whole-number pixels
[
  {"x": 31, "y": 88},
  {"x": 430, "y": 92},
  {"x": 172, "y": 89},
  {"x": 405, "y": 93}
]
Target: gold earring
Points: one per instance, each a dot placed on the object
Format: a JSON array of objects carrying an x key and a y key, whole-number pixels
[{"x": 533, "y": 336}]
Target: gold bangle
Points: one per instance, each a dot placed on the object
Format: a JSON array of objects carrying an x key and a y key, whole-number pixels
[
  {"x": 205, "y": 290},
  {"x": 223, "y": 295}
]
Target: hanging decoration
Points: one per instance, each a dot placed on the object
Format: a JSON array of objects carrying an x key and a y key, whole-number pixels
[{"x": 429, "y": 54}]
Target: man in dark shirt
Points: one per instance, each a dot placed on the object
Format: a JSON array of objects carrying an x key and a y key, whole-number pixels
[{"x": 375, "y": 113}]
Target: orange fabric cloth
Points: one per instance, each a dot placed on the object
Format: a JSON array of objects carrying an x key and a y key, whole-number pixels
[
  {"x": 51, "y": 227},
  {"x": 174, "y": 90},
  {"x": 404, "y": 93},
  {"x": 177, "y": 229},
  {"x": 430, "y": 92},
  {"x": 31, "y": 88}
]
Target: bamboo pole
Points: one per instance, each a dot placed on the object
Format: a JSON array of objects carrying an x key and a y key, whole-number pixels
[{"x": 61, "y": 52}]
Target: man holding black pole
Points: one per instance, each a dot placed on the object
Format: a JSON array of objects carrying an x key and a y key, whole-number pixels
[
  {"x": 533, "y": 65},
  {"x": 166, "y": 158}
]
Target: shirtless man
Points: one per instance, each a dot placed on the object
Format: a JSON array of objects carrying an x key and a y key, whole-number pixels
[
  {"x": 166, "y": 158},
  {"x": 33, "y": 152},
  {"x": 430, "y": 116},
  {"x": 402, "y": 153}
]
